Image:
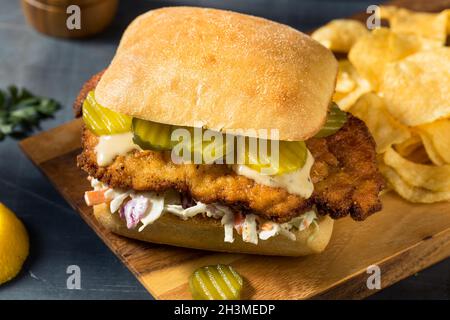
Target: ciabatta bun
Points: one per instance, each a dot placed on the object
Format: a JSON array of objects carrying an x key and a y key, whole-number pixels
[
  {"x": 208, "y": 234},
  {"x": 221, "y": 70}
]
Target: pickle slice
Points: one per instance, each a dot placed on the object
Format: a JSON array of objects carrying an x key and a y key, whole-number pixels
[
  {"x": 101, "y": 120},
  {"x": 292, "y": 156},
  {"x": 219, "y": 282},
  {"x": 211, "y": 150},
  {"x": 335, "y": 120},
  {"x": 157, "y": 136},
  {"x": 152, "y": 135}
]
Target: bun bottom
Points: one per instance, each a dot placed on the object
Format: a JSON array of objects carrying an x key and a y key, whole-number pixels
[{"x": 208, "y": 234}]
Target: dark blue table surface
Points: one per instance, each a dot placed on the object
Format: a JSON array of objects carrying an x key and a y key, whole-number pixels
[{"x": 57, "y": 68}]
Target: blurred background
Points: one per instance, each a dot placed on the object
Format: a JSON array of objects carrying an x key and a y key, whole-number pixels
[{"x": 57, "y": 68}]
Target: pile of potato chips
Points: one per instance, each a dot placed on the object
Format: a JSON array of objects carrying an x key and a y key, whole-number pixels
[{"x": 397, "y": 80}]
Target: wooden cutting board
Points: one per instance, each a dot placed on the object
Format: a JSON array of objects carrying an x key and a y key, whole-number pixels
[{"x": 402, "y": 239}]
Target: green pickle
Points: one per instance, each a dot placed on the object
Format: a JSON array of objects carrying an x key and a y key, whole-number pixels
[
  {"x": 218, "y": 282},
  {"x": 292, "y": 156},
  {"x": 101, "y": 120},
  {"x": 335, "y": 120},
  {"x": 152, "y": 135}
]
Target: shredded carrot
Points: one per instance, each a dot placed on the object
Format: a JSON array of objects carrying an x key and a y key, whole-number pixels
[
  {"x": 267, "y": 226},
  {"x": 95, "y": 197},
  {"x": 239, "y": 219}
]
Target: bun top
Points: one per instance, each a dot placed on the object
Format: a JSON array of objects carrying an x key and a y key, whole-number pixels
[{"x": 221, "y": 70}]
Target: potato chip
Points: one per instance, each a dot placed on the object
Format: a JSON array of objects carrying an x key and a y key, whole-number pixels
[
  {"x": 434, "y": 178},
  {"x": 409, "y": 146},
  {"x": 413, "y": 149},
  {"x": 420, "y": 155},
  {"x": 384, "y": 128},
  {"x": 349, "y": 85},
  {"x": 410, "y": 193},
  {"x": 340, "y": 35},
  {"x": 346, "y": 78},
  {"x": 448, "y": 20},
  {"x": 374, "y": 51},
  {"x": 437, "y": 135},
  {"x": 431, "y": 151},
  {"x": 417, "y": 89},
  {"x": 429, "y": 25}
]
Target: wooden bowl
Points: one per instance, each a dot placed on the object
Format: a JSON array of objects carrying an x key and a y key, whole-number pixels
[{"x": 50, "y": 16}]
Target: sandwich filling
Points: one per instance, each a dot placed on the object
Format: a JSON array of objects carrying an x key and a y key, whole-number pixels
[
  {"x": 141, "y": 209},
  {"x": 336, "y": 175}
]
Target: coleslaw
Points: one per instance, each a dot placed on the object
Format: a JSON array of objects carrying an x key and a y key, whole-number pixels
[{"x": 144, "y": 208}]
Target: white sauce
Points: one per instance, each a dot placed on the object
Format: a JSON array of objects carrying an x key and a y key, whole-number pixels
[
  {"x": 109, "y": 147},
  {"x": 296, "y": 182}
]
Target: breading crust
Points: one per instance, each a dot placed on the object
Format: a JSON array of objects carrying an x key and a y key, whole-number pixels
[{"x": 88, "y": 86}]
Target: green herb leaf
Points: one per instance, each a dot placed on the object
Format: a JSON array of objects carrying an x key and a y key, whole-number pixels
[
  {"x": 47, "y": 107},
  {"x": 21, "y": 111},
  {"x": 6, "y": 129}
]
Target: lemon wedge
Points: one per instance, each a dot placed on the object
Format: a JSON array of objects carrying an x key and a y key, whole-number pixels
[{"x": 14, "y": 244}]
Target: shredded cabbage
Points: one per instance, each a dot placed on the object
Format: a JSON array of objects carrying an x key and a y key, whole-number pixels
[
  {"x": 117, "y": 199},
  {"x": 273, "y": 231},
  {"x": 184, "y": 214},
  {"x": 301, "y": 223},
  {"x": 155, "y": 211},
  {"x": 96, "y": 184},
  {"x": 228, "y": 225},
  {"x": 217, "y": 211},
  {"x": 134, "y": 210},
  {"x": 249, "y": 233},
  {"x": 285, "y": 231}
]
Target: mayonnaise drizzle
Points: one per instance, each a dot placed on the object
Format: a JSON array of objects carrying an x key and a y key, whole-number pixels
[
  {"x": 109, "y": 147},
  {"x": 296, "y": 182}
]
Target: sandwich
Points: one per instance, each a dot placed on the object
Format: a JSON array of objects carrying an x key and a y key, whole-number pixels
[{"x": 222, "y": 74}]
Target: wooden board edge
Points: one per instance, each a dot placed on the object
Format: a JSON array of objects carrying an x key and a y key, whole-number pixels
[
  {"x": 57, "y": 142},
  {"x": 427, "y": 252}
]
